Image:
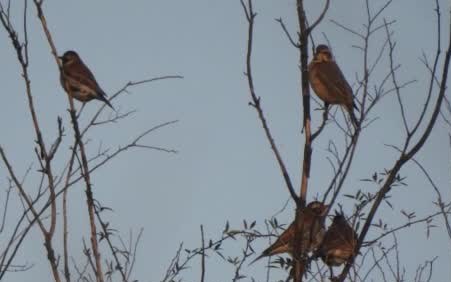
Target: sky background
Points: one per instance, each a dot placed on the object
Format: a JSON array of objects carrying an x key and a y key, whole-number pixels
[{"x": 225, "y": 169}]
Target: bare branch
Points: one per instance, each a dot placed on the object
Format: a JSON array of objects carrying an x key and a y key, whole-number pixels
[
  {"x": 250, "y": 15},
  {"x": 287, "y": 33},
  {"x": 320, "y": 18},
  {"x": 202, "y": 263}
]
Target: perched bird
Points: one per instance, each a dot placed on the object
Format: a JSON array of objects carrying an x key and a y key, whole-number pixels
[
  {"x": 312, "y": 225},
  {"x": 78, "y": 81},
  {"x": 329, "y": 83},
  {"x": 339, "y": 242}
]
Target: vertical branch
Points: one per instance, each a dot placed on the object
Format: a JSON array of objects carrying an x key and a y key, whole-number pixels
[
  {"x": 391, "y": 48},
  {"x": 85, "y": 167},
  {"x": 38, "y": 4},
  {"x": 303, "y": 39},
  {"x": 65, "y": 232},
  {"x": 202, "y": 262},
  {"x": 299, "y": 258},
  {"x": 89, "y": 196},
  {"x": 114, "y": 250},
  {"x": 5, "y": 209},
  {"x": 300, "y": 261},
  {"x": 65, "y": 238}
]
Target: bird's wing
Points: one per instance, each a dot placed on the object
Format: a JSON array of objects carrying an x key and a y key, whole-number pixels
[
  {"x": 331, "y": 76},
  {"x": 282, "y": 243},
  {"x": 82, "y": 75},
  {"x": 339, "y": 236}
]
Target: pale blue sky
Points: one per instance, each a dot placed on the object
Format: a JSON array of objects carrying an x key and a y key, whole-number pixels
[{"x": 224, "y": 169}]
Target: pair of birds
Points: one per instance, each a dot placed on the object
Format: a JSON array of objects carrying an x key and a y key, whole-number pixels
[
  {"x": 334, "y": 246},
  {"x": 325, "y": 77}
]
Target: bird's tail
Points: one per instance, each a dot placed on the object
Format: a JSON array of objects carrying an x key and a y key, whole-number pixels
[
  {"x": 259, "y": 257},
  {"x": 268, "y": 252},
  {"x": 102, "y": 97},
  {"x": 264, "y": 254}
]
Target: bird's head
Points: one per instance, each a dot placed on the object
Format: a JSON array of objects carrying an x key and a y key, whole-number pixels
[
  {"x": 317, "y": 208},
  {"x": 339, "y": 218},
  {"x": 69, "y": 57},
  {"x": 323, "y": 53}
]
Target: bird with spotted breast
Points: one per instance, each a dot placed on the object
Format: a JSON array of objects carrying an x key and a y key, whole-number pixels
[
  {"x": 329, "y": 83},
  {"x": 78, "y": 81},
  {"x": 312, "y": 225}
]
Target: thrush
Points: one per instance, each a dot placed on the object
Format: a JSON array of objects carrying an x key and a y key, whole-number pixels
[
  {"x": 339, "y": 242},
  {"x": 78, "y": 81},
  {"x": 329, "y": 83},
  {"x": 312, "y": 226}
]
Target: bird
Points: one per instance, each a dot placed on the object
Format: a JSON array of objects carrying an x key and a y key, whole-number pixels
[
  {"x": 312, "y": 225},
  {"x": 78, "y": 81},
  {"x": 339, "y": 242},
  {"x": 329, "y": 83}
]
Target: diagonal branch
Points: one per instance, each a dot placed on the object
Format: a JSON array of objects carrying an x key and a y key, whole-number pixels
[
  {"x": 250, "y": 16},
  {"x": 320, "y": 18}
]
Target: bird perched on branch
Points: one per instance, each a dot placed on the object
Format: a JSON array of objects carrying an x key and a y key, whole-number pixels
[
  {"x": 312, "y": 226},
  {"x": 329, "y": 83},
  {"x": 339, "y": 242},
  {"x": 78, "y": 81}
]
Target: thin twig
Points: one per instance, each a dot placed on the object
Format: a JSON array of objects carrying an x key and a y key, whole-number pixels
[{"x": 202, "y": 261}]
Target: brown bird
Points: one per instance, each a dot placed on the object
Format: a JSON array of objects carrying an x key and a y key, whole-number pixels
[
  {"x": 329, "y": 83},
  {"x": 312, "y": 225},
  {"x": 339, "y": 242},
  {"x": 78, "y": 81}
]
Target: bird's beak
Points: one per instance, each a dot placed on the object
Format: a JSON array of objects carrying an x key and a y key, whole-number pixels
[{"x": 60, "y": 58}]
